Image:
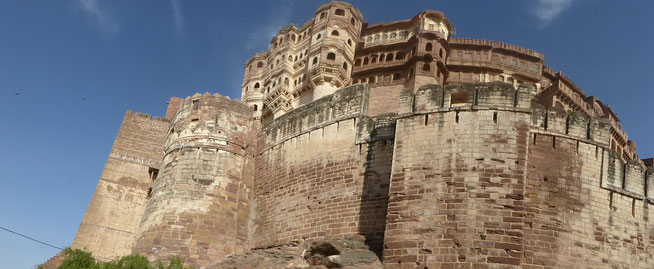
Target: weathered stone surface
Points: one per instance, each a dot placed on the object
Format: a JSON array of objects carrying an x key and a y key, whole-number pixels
[{"x": 325, "y": 253}]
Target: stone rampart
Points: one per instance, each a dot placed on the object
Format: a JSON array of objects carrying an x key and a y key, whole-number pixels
[
  {"x": 312, "y": 178},
  {"x": 585, "y": 207},
  {"x": 117, "y": 205},
  {"x": 200, "y": 204},
  {"x": 457, "y": 175}
]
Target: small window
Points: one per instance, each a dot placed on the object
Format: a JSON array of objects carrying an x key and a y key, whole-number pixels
[
  {"x": 318, "y": 36},
  {"x": 458, "y": 55},
  {"x": 255, "y": 107},
  {"x": 393, "y": 36},
  {"x": 352, "y": 21},
  {"x": 153, "y": 173},
  {"x": 256, "y": 85},
  {"x": 349, "y": 42},
  {"x": 357, "y": 62},
  {"x": 426, "y": 67},
  {"x": 331, "y": 56},
  {"x": 371, "y": 80},
  {"x": 340, "y": 12},
  {"x": 534, "y": 68},
  {"x": 322, "y": 15},
  {"x": 335, "y": 33},
  {"x": 503, "y": 59},
  {"x": 428, "y": 47},
  {"x": 397, "y": 76},
  {"x": 365, "y": 61},
  {"x": 399, "y": 56},
  {"x": 468, "y": 55},
  {"x": 523, "y": 65},
  {"x": 315, "y": 60},
  {"x": 440, "y": 53},
  {"x": 345, "y": 66},
  {"x": 373, "y": 59},
  {"x": 196, "y": 104},
  {"x": 259, "y": 64},
  {"x": 389, "y": 57}
]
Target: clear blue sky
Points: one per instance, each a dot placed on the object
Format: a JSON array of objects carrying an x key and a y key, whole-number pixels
[{"x": 79, "y": 64}]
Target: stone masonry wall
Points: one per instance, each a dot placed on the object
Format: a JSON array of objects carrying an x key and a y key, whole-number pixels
[
  {"x": 457, "y": 179},
  {"x": 585, "y": 208},
  {"x": 312, "y": 178},
  {"x": 200, "y": 209},
  {"x": 116, "y": 208}
]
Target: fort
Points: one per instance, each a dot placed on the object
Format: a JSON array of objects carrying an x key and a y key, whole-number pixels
[{"x": 442, "y": 152}]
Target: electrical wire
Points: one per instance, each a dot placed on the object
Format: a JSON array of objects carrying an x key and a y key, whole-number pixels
[{"x": 35, "y": 240}]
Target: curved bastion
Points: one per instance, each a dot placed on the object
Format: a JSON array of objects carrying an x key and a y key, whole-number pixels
[{"x": 199, "y": 206}]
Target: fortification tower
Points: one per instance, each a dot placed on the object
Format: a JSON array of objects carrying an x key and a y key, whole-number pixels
[
  {"x": 199, "y": 207},
  {"x": 252, "y": 90},
  {"x": 335, "y": 32}
]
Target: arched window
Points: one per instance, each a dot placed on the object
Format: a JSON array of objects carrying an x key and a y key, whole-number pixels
[
  {"x": 290, "y": 58},
  {"x": 393, "y": 36},
  {"x": 293, "y": 37},
  {"x": 389, "y": 57},
  {"x": 256, "y": 85},
  {"x": 397, "y": 76},
  {"x": 247, "y": 88},
  {"x": 318, "y": 36},
  {"x": 259, "y": 64},
  {"x": 428, "y": 47},
  {"x": 352, "y": 21},
  {"x": 440, "y": 53},
  {"x": 315, "y": 60},
  {"x": 381, "y": 57},
  {"x": 365, "y": 61},
  {"x": 357, "y": 62},
  {"x": 345, "y": 66},
  {"x": 369, "y": 39},
  {"x": 399, "y": 56},
  {"x": 349, "y": 42},
  {"x": 377, "y": 36},
  {"x": 426, "y": 67},
  {"x": 331, "y": 56},
  {"x": 335, "y": 33},
  {"x": 322, "y": 15},
  {"x": 384, "y": 37},
  {"x": 371, "y": 80},
  {"x": 286, "y": 81},
  {"x": 277, "y": 62},
  {"x": 295, "y": 60},
  {"x": 373, "y": 58},
  {"x": 255, "y": 107},
  {"x": 340, "y": 12},
  {"x": 300, "y": 55}
]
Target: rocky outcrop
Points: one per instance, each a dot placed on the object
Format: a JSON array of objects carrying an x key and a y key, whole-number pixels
[{"x": 327, "y": 253}]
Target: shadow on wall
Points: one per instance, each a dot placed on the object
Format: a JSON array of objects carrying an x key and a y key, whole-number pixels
[{"x": 374, "y": 195}]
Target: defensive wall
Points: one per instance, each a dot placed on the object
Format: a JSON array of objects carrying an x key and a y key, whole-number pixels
[
  {"x": 199, "y": 207},
  {"x": 482, "y": 176},
  {"x": 314, "y": 180},
  {"x": 115, "y": 210}
]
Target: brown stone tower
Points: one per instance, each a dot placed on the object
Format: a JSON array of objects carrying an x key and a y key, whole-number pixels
[{"x": 199, "y": 206}]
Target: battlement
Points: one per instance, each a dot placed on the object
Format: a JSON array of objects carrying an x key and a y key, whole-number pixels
[
  {"x": 346, "y": 103},
  {"x": 576, "y": 125},
  {"x": 130, "y": 113},
  {"x": 493, "y": 95}
]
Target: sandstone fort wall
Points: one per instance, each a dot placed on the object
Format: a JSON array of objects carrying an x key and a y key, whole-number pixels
[
  {"x": 200, "y": 204},
  {"x": 312, "y": 178},
  {"x": 115, "y": 210}
]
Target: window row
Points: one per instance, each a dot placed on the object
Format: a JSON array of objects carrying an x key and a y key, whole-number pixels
[
  {"x": 374, "y": 58},
  {"x": 382, "y": 37}
]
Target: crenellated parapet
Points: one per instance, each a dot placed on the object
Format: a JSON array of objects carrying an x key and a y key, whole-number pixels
[
  {"x": 347, "y": 103},
  {"x": 631, "y": 178},
  {"x": 456, "y": 97}
]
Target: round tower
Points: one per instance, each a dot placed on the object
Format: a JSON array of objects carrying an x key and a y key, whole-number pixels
[
  {"x": 335, "y": 33},
  {"x": 199, "y": 206}
]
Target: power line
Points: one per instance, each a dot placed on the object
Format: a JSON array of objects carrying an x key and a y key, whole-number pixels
[{"x": 30, "y": 238}]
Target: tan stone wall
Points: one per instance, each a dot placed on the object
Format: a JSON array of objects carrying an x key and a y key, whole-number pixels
[
  {"x": 117, "y": 205},
  {"x": 585, "y": 208},
  {"x": 200, "y": 205},
  {"x": 312, "y": 178},
  {"x": 458, "y": 173}
]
